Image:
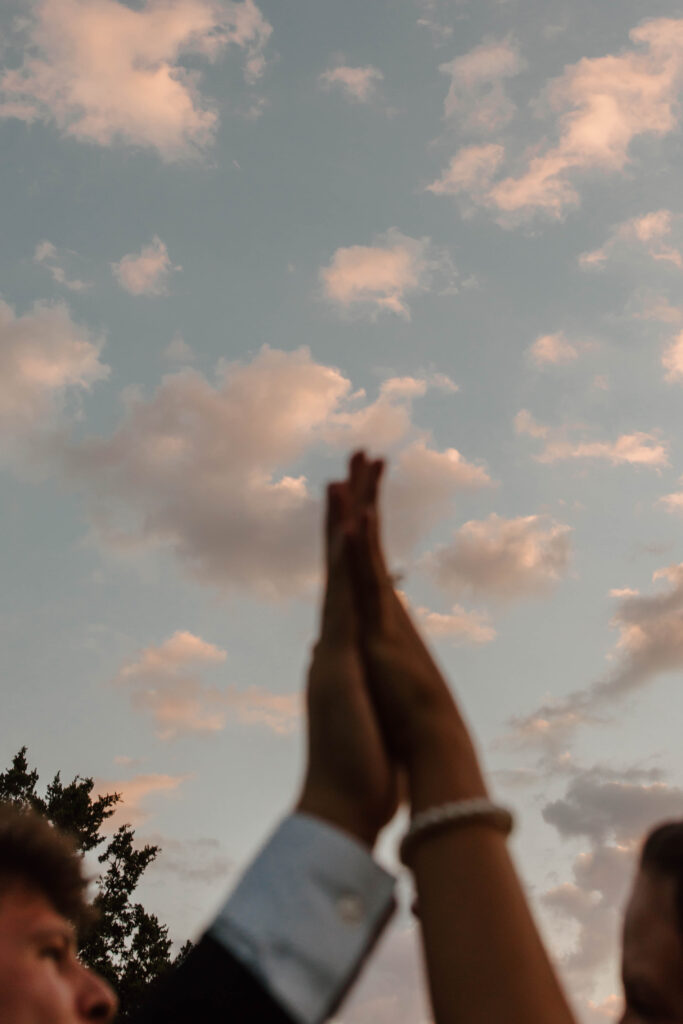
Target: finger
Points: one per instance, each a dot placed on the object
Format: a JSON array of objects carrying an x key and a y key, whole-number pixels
[
  {"x": 331, "y": 507},
  {"x": 375, "y": 472},
  {"x": 334, "y": 514},
  {"x": 338, "y": 616},
  {"x": 371, "y": 586},
  {"x": 359, "y": 469},
  {"x": 373, "y": 482}
]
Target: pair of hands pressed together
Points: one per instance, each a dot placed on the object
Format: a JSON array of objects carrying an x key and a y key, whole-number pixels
[
  {"x": 379, "y": 711},
  {"x": 380, "y": 715}
]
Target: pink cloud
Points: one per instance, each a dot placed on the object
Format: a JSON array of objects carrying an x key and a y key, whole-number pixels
[
  {"x": 45, "y": 357},
  {"x": 637, "y": 449},
  {"x": 603, "y": 104},
  {"x": 146, "y": 272},
  {"x": 381, "y": 277},
  {"x": 422, "y": 488},
  {"x": 609, "y": 1009},
  {"x": 250, "y": 515},
  {"x": 476, "y": 95},
  {"x": 649, "y": 232},
  {"x": 459, "y": 625},
  {"x": 672, "y": 358},
  {"x": 46, "y": 255},
  {"x": 503, "y": 558},
  {"x": 135, "y": 792},
  {"x": 358, "y": 83},
  {"x": 470, "y": 171},
  {"x": 104, "y": 72},
  {"x": 650, "y": 643},
  {"x": 672, "y": 502},
  {"x": 165, "y": 682},
  {"x": 553, "y": 350}
]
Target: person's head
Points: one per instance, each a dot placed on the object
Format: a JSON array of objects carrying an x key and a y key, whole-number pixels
[
  {"x": 652, "y": 955},
  {"x": 42, "y": 907}
]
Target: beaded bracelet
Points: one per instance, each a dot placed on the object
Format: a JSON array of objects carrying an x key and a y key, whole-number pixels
[{"x": 460, "y": 812}]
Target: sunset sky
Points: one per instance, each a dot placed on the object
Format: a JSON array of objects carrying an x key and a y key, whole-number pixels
[{"x": 240, "y": 240}]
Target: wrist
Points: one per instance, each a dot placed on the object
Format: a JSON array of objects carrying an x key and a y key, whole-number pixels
[
  {"x": 339, "y": 813},
  {"x": 444, "y": 769}
]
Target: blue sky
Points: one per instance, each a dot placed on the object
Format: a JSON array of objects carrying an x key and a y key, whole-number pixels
[{"x": 239, "y": 241}]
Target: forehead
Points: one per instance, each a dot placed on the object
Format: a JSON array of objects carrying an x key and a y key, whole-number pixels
[
  {"x": 653, "y": 948},
  {"x": 24, "y": 911}
]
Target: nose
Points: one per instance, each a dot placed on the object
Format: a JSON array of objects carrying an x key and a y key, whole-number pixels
[{"x": 97, "y": 1000}]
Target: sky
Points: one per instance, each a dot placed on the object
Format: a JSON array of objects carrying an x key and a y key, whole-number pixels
[{"x": 239, "y": 241}]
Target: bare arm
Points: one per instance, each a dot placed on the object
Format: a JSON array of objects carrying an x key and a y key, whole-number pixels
[{"x": 485, "y": 960}]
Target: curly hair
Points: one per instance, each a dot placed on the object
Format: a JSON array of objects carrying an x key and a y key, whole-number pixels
[{"x": 37, "y": 855}]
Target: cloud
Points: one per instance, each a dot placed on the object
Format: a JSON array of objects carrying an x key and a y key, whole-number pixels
[
  {"x": 107, "y": 73},
  {"x": 650, "y": 643},
  {"x": 470, "y": 171},
  {"x": 602, "y": 104},
  {"x": 380, "y": 277},
  {"x": 459, "y": 625},
  {"x": 611, "y": 810},
  {"x": 609, "y": 1009},
  {"x": 602, "y": 805},
  {"x": 553, "y": 350},
  {"x": 655, "y": 306},
  {"x": 417, "y": 386},
  {"x": 672, "y": 358},
  {"x": 672, "y": 502},
  {"x": 165, "y": 682},
  {"x": 178, "y": 351},
  {"x": 421, "y": 490},
  {"x": 649, "y": 232},
  {"x": 359, "y": 84},
  {"x": 593, "y": 902},
  {"x": 432, "y": 13},
  {"x": 46, "y": 359},
  {"x": 503, "y": 558},
  {"x": 637, "y": 449},
  {"x": 146, "y": 272},
  {"x": 392, "y": 989},
  {"x": 133, "y": 807},
  {"x": 46, "y": 255},
  {"x": 476, "y": 96},
  {"x": 211, "y": 469},
  {"x": 191, "y": 860}
]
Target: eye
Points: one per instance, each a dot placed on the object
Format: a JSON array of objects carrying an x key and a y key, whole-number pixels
[{"x": 54, "y": 951}]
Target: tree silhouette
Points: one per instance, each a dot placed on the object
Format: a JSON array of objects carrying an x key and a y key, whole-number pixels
[{"x": 127, "y": 946}]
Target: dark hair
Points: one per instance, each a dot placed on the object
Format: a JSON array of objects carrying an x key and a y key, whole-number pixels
[
  {"x": 662, "y": 854},
  {"x": 37, "y": 855}
]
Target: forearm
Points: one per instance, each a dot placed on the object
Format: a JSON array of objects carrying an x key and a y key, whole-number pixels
[{"x": 485, "y": 960}]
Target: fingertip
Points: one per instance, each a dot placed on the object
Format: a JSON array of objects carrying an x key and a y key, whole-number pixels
[
  {"x": 376, "y": 470},
  {"x": 357, "y": 457}
]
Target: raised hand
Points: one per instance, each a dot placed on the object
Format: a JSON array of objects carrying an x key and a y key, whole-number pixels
[
  {"x": 485, "y": 961},
  {"x": 349, "y": 780},
  {"x": 418, "y": 716}
]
